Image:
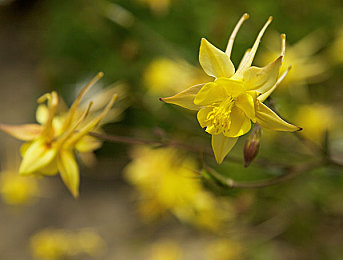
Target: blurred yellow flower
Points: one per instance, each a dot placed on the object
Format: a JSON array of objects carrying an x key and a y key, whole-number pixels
[
  {"x": 227, "y": 106},
  {"x": 165, "y": 250},
  {"x": 158, "y": 7},
  {"x": 306, "y": 65},
  {"x": 167, "y": 183},
  {"x": 316, "y": 119},
  {"x": 16, "y": 189},
  {"x": 51, "y": 144},
  {"x": 224, "y": 249},
  {"x": 164, "y": 76},
  {"x": 58, "y": 244},
  {"x": 336, "y": 49}
]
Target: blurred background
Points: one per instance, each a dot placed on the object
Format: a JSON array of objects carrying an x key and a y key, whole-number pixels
[{"x": 140, "y": 202}]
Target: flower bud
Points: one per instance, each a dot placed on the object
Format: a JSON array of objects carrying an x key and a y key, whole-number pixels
[{"x": 252, "y": 145}]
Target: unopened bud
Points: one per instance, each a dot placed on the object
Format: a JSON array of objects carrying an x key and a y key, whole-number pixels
[{"x": 252, "y": 145}]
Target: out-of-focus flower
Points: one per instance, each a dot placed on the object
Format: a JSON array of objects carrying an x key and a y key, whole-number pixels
[
  {"x": 229, "y": 104},
  {"x": 158, "y": 7},
  {"x": 16, "y": 189},
  {"x": 316, "y": 119},
  {"x": 51, "y": 144},
  {"x": 336, "y": 49},
  {"x": 224, "y": 249},
  {"x": 165, "y": 250},
  {"x": 168, "y": 183},
  {"x": 164, "y": 76},
  {"x": 306, "y": 65},
  {"x": 56, "y": 244}
]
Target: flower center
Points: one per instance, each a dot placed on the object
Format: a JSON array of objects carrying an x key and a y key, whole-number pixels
[{"x": 219, "y": 118}]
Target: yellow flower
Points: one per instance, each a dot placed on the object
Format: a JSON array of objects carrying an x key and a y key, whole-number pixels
[
  {"x": 224, "y": 249},
  {"x": 165, "y": 250},
  {"x": 306, "y": 66},
  {"x": 51, "y": 144},
  {"x": 167, "y": 183},
  {"x": 55, "y": 244},
  {"x": 16, "y": 189},
  {"x": 227, "y": 106},
  {"x": 316, "y": 119},
  {"x": 159, "y": 7},
  {"x": 336, "y": 49},
  {"x": 164, "y": 76}
]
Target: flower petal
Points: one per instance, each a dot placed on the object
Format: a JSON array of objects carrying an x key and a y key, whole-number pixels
[
  {"x": 42, "y": 114},
  {"x": 270, "y": 120},
  {"x": 215, "y": 62},
  {"x": 209, "y": 94},
  {"x": 221, "y": 146},
  {"x": 232, "y": 87},
  {"x": 69, "y": 171},
  {"x": 185, "y": 98},
  {"x": 266, "y": 94},
  {"x": 88, "y": 144},
  {"x": 240, "y": 123},
  {"x": 37, "y": 156},
  {"x": 246, "y": 103},
  {"x": 262, "y": 79},
  {"x": 202, "y": 116},
  {"x": 26, "y": 132}
]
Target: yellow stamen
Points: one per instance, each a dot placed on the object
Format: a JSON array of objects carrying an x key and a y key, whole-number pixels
[{"x": 219, "y": 120}]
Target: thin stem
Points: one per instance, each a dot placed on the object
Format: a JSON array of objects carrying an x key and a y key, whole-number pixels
[{"x": 292, "y": 172}]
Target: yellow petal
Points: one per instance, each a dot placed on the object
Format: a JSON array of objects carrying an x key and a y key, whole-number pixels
[
  {"x": 270, "y": 120},
  {"x": 266, "y": 94},
  {"x": 185, "y": 98},
  {"x": 202, "y": 116},
  {"x": 246, "y": 103},
  {"x": 42, "y": 114},
  {"x": 209, "y": 94},
  {"x": 240, "y": 123},
  {"x": 215, "y": 62},
  {"x": 37, "y": 156},
  {"x": 232, "y": 87},
  {"x": 221, "y": 146},
  {"x": 88, "y": 144},
  {"x": 262, "y": 79},
  {"x": 69, "y": 171},
  {"x": 49, "y": 170},
  {"x": 26, "y": 132}
]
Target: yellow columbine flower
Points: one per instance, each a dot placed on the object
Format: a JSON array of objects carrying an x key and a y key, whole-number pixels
[
  {"x": 51, "y": 144},
  {"x": 229, "y": 104}
]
